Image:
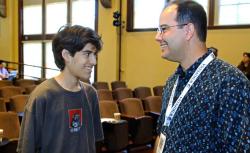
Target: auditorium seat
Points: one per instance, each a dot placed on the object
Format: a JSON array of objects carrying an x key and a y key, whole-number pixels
[
  {"x": 152, "y": 107},
  {"x": 101, "y": 85},
  {"x": 115, "y": 131},
  {"x": 17, "y": 103},
  {"x": 10, "y": 124},
  {"x": 118, "y": 84},
  {"x": 122, "y": 93},
  {"x": 9, "y": 91},
  {"x": 142, "y": 92},
  {"x": 4, "y": 83},
  {"x": 2, "y": 105},
  {"x": 29, "y": 88},
  {"x": 158, "y": 90},
  {"x": 140, "y": 125},
  {"x": 105, "y": 94}
]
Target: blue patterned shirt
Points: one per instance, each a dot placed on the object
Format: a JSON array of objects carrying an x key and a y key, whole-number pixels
[{"x": 214, "y": 114}]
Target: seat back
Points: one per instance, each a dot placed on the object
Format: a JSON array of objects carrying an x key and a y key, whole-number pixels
[
  {"x": 9, "y": 91},
  {"x": 122, "y": 93},
  {"x": 142, "y": 92},
  {"x": 10, "y": 124},
  {"x": 118, "y": 84},
  {"x": 24, "y": 82},
  {"x": 153, "y": 104},
  {"x": 108, "y": 108},
  {"x": 104, "y": 94},
  {"x": 29, "y": 88},
  {"x": 4, "y": 83},
  {"x": 17, "y": 103},
  {"x": 2, "y": 105},
  {"x": 158, "y": 90},
  {"x": 131, "y": 107},
  {"x": 101, "y": 85}
]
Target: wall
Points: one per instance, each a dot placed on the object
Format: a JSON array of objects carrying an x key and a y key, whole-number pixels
[
  {"x": 108, "y": 57},
  {"x": 142, "y": 64},
  {"x": 9, "y": 32},
  {"x": 141, "y": 61}
]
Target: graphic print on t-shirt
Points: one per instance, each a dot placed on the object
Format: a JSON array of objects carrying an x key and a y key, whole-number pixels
[{"x": 75, "y": 119}]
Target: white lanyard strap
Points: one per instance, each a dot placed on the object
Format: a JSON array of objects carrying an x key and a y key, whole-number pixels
[{"x": 171, "y": 110}]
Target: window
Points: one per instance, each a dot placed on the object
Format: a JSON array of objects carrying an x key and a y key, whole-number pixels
[
  {"x": 138, "y": 18},
  {"x": 55, "y": 19},
  {"x": 146, "y": 19},
  {"x": 32, "y": 53},
  {"x": 40, "y": 22},
  {"x": 217, "y": 11},
  {"x": 237, "y": 10}
]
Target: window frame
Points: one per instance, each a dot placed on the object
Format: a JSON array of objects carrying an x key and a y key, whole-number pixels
[
  {"x": 211, "y": 26},
  {"x": 44, "y": 37}
]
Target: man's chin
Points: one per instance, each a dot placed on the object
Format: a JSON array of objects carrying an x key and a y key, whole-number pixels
[{"x": 169, "y": 58}]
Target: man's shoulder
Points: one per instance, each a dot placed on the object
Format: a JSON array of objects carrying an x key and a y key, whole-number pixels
[
  {"x": 226, "y": 70},
  {"x": 228, "y": 75}
]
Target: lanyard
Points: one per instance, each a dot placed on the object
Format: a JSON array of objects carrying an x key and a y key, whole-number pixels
[{"x": 172, "y": 109}]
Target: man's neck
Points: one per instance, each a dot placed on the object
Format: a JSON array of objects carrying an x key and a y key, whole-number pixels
[{"x": 192, "y": 55}]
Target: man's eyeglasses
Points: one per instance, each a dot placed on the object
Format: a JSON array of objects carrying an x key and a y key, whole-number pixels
[{"x": 163, "y": 28}]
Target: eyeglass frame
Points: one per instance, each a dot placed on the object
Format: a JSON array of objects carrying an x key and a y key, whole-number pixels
[{"x": 162, "y": 28}]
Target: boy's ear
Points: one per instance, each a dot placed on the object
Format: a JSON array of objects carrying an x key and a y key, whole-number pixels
[{"x": 66, "y": 55}]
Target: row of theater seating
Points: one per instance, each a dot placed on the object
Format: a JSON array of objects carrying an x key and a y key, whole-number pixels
[
  {"x": 136, "y": 127},
  {"x": 139, "y": 110},
  {"x": 139, "y": 113},
  {"x": 157, "y": 90},
  {"x": 13, "y": 96}
]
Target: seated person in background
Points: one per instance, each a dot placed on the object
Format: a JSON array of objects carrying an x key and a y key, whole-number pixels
[
  {"x": 4, "y": 74},
  {"x": 244, "y": 65}
]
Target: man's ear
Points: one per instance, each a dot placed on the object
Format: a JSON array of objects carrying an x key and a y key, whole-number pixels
[
  {"x": 189, "y": 30},
  {"x": 66, "y": 55}
]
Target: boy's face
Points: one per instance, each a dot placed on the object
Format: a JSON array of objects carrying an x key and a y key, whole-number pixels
[{"x": 82, "y": 63}]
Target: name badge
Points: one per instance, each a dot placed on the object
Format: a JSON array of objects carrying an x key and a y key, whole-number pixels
[{"x": 161, "y": 143}]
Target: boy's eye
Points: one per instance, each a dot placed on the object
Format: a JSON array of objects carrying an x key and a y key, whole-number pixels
[{"x": 88, "y": 54}]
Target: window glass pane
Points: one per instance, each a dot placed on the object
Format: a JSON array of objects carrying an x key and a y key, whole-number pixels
[
  {"x": 229, "y": 10},
  {"x": 32, "y": 11},
  {"x": 56, "y": 15},
  {"x": 237, "y": 10},
  {"x": 83, "y": 13},
  {"x": 244, "y": 17},
  {"x": 149, "y": 18},
  {"x": 32, "y": 53},
  {"x": 50, "y": 63}
]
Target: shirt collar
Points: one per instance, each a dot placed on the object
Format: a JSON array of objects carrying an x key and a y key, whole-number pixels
[{"x": 189, "y": 72}]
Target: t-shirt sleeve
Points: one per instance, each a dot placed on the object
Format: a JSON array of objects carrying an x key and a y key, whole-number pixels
[
  {"x": 29, "y": 133},
  {"x": 95, "y": 113},
  {"x": 97, "y": 120}
]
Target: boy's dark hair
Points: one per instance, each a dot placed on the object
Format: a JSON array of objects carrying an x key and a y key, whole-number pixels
[
  {"x": 73, "y": 38},
  {"x": 192, "y": 12}
]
